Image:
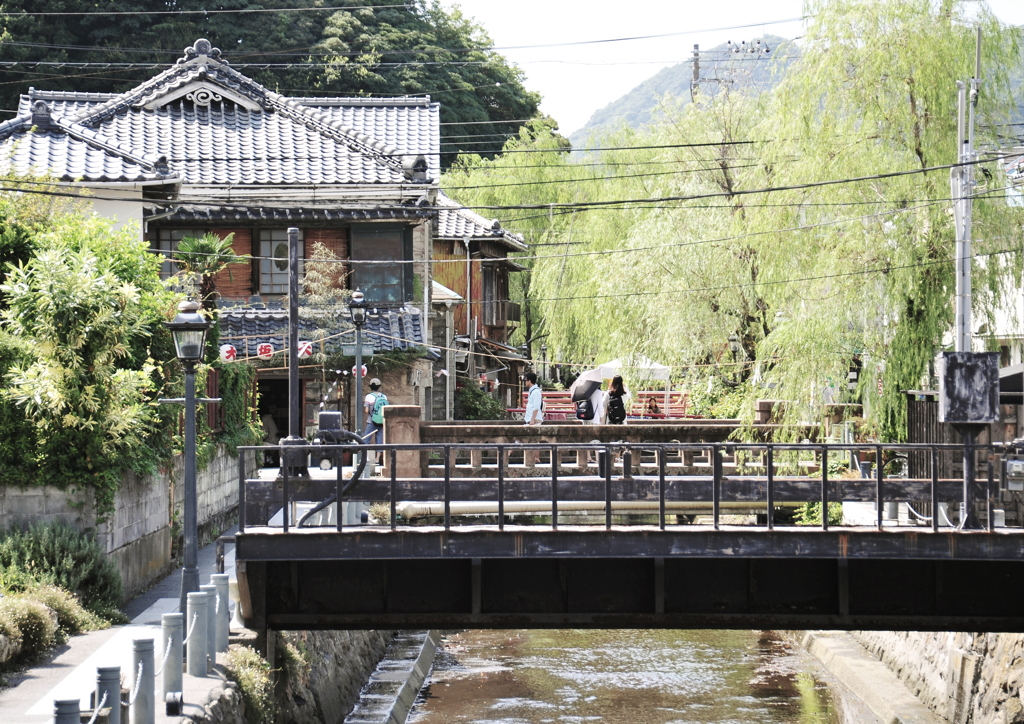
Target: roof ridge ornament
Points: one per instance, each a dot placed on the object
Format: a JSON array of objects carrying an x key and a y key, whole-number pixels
[
  {"x": 200, "y": 49},
  {"x": 41, "y": 117}
]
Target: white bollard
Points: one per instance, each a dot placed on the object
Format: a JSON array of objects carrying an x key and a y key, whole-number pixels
[
  {"x": 108, "y": 691},
  {"x": 220, "y": 580},
  {"x": 142, "y": 702},
  {"x": 196, "y": 646},
  {"x": 66, "y": 711},
  {"x": 212, "y": 607},
  {"x": 173, "y": 652}
]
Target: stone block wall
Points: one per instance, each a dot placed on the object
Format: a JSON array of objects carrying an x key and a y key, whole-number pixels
[
  {"x": 963, "y": 677},
  {"x": 138, "y": 534}
]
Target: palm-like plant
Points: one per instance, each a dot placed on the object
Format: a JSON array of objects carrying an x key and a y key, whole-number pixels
[{"x": 204, "y": 256}]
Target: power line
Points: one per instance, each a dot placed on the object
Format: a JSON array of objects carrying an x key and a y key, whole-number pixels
[
  {"x": 587, "y": 205},
  {"x": 600, "y": 178},
  {"x": 239, "y": 11},
  {"x": 429, "y": 50},
  {"x": 777, "y": 282}
]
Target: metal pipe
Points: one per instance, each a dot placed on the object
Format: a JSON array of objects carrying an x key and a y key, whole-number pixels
[
  {"x": 190, "y": 569},
  {"x": 824, "y": 488},
  {"x": 143, "y": 706},
  {"x": 431, "y": 508},
  {"x": 171, "y": 636},
  {"x": 196, "y": 647},
  {"x": 554, "y": 487},
  {"x": 220, "y": 580},
  {"x": 770, "y": 488},
  {"x": 294, "y": 404},
  {"x": 359, "y": 382}
]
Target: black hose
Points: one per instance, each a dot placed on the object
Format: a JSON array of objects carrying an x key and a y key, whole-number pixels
[{"x": 333, "y": 497}]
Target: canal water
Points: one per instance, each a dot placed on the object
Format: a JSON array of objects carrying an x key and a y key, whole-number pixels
[{"x": 623, "y": 677}]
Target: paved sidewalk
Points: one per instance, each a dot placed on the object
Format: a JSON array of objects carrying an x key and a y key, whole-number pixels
[{"x": 71, "y": 671}]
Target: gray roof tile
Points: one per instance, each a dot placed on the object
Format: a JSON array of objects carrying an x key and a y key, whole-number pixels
[
  {"x": 456, "y": 222},
  {"x": 284, "y": 141},
  {"x": 245, "y": 327}
]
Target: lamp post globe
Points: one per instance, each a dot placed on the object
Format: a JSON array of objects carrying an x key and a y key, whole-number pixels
[{"x": 189, "y": 329}]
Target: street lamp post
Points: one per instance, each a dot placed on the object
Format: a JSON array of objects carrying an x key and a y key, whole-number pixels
[
  {"x": 189, "y": 330},
  {"x": 357, "y": 308}
]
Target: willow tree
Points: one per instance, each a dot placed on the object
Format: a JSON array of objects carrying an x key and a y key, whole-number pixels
[
  {"x": 810, "y": 226},
  {"x": 870, "y": 272}
]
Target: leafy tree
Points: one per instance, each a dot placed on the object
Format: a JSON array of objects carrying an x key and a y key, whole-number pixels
[
  {"x": 804, "y": 280},
  {"x": 364, "y": 51},
  {"x": 81, "y": 303},
  {"x": 204, "y": 257}
]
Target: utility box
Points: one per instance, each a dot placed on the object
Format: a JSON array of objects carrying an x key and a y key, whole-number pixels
[
  {"x": 968, "y": 387},
  {"x": 1013, "y": 472},
  {"x": 329, "y": 421}
]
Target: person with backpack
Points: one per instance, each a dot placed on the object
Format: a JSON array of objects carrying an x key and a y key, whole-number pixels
[
  {"x": 534, "y": 413},
  {"x": 590, "y": 410},
  {"x": 616, "y": 402},
  {"x": 374, "y": 405}
]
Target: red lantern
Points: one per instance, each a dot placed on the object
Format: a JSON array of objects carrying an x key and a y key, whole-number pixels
[
  {"x": 305, "y": 350},
  {"x": 228, "y": 353},
  {"x": 364, "y": 370},
  {"x": 265, "y": 350}
]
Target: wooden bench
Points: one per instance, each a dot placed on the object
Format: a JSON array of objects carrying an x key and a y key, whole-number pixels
[
  {"x": 558, "y": 405},
  {"x": 678, "y": 404}
]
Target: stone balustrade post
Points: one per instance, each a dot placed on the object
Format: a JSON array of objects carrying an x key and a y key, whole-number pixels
[{"x": 402, "y": 427}]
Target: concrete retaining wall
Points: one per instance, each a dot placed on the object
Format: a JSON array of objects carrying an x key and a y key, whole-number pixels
[
  {"x": 138, "y": 535},
  {"x": 963, "y": 677}
]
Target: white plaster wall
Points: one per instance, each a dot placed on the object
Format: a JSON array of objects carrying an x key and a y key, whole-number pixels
[{"x": 124, "y": 205}]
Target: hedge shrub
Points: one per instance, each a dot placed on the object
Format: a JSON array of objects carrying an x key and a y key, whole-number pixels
[{"x": 58, "y": 555}]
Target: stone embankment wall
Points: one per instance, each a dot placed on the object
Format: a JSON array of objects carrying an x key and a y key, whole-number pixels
[
  {"x": 335, "y": 666},
  {"x": 964, "y": 677},
  {"x": 138, "y": 535}
]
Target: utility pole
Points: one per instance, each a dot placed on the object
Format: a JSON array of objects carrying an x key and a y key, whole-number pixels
[
  {"x": 696, "y": 70},
  {"x": 962, "y": 178},
  {"x": 969, "y": 381}
]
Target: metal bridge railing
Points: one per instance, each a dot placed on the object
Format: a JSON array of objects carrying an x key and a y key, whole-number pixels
[{"x": 714, "y": 474}]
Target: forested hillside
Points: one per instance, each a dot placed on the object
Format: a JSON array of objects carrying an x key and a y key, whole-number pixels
[
  {"x": 719, "y": 67},
  {"x": 382, "y": 49}
]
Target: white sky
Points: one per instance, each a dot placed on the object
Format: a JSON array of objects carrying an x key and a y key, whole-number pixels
[{"x": 577, "y": 80}]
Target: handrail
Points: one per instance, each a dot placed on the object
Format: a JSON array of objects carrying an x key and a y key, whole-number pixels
[{"x": 652, "y": 479}]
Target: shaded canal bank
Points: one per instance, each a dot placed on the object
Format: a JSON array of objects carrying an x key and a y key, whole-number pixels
[{"x": 627, "y": 676}]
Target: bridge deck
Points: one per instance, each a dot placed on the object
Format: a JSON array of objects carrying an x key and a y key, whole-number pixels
[{"x": 369, "y": 542}]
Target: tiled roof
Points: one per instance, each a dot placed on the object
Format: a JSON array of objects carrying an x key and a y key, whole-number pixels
[
  {"x": 218, "y": 127},
  {"x": 455, "y": 222},
  {"x": 39, "y": 142},
  {"x": 256, "y": 214},
  {"x": 385, "y": 329}
]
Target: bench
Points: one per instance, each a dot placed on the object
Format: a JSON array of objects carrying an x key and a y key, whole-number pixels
[{"x": 558, "y": 405}]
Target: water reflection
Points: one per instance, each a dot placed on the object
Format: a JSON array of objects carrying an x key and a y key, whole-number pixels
[{"x": 627, "y": 676}]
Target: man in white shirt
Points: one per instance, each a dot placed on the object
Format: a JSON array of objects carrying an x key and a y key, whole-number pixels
[{"x": 533, "y": 415}]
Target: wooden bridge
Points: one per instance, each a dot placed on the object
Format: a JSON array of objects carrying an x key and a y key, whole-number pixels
[{"x": 555, "y": 540}]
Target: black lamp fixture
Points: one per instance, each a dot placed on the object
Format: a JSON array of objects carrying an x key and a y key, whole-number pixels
[
  {"x": 189, "y": 328},
  {"x": 357, "y": 308}
]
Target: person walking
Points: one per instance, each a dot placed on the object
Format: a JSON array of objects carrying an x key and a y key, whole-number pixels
[
  {"x": 616, "y": 403},
  {"x": 373, "y": 406},
  {"x": 534, "y": 413}
]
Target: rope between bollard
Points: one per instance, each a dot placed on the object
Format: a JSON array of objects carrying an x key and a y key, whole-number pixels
[
  {"x": 135, "y": 693},
  {"x": 99, "y": 706},
  {"x": 167, "y": 652},
  {"x": 195, "y": 617}
]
